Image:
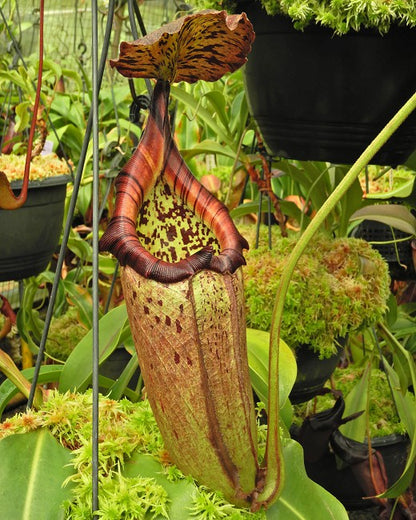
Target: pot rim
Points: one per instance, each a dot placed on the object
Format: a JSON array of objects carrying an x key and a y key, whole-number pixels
[{"x": 56, "y": 180}]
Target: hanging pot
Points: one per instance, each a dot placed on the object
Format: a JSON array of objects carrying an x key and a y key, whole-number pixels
[
  {"x": 313, "y": 372},
  {"x": 319, "y": 96},
  {"x": 30, "y": 234}
]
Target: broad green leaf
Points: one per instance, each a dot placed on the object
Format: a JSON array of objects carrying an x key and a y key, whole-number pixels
[
  {"x": 258, "y": 359},
  {"x": 34, "y": 468},
  {"x": 356, "y": 401},
  {"x": 77, "y": 371},
  {"x": 61, "y": 104},
  {"x": 301, "y": 498},
  {"x": 393, "y": 215}
]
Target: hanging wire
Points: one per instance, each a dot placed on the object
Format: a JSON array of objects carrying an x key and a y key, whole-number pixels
[
  {"x": 134, "y": 12},
  {"x": 95, "y": 230}
]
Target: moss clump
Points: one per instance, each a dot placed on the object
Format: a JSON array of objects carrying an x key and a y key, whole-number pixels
[
  {"x": 64, "y": 334},
  {"x": 383, "y": 418},
  {"x": 339, "y": 286},
  {"x": 41, "y": 167}
]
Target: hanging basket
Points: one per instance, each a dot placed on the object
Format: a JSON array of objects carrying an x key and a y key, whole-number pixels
[
  {"x": 318, "y": 96},
  {"x": 30, "y": 234}
]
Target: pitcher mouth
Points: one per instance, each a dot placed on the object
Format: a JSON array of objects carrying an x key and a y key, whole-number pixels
[{"x": 157, "y": 161}]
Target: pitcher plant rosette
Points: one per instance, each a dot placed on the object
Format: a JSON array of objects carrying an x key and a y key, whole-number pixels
[{"x": 180, "y": 254}]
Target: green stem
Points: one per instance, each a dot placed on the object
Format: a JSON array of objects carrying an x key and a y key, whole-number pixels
[{"x": 273, "y": 481}]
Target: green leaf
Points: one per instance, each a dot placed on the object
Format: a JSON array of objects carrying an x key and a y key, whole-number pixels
[
  {"x": 72, "y": 74},
  {"x": 258, "y": 359},
  {"x": 288, "y": 208},
  {"x": 239, "y": 115},
  {"x": 406, "y": 407},
  {"x": 53, "y": 66},
  {"x": 393, "y": 215},
  {"x": 301, "y": 498},
  {"x": 34, "y": 468},
  {"x": 119, "y": 387},
  {"x": 180, "y": 492},
  {"x": 81, "y": 248},
  {"x": 23, "y": 116},
  {"x": 204, "y": 114},
  {"x": 355, "y": 401},
  {"x": 77, "y": 371},
  {"x": 82, "y": 299},
  {"x": 14, "y": 77},
  {"x": 218, "y": 103},
  {"x": 208, "y": 147}
]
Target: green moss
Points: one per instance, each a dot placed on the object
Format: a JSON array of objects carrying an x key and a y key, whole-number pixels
[
  {"x": 383, "y": 418},
  {"x": 339, "y": 286},
  {"x": 64, "y": 334}
]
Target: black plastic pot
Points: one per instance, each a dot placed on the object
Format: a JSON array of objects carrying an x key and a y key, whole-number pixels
[
  {"x": 318, "y": 96},
  {"x": 342, "y": 465},
  {"x": 313, "y": 372},
  {"x": 398, "y": 255},
  {"x": 342, "y": 480},
  {"x": 30, "y": 234}
]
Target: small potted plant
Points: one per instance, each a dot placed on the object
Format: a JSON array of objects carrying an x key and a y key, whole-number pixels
[
  {"x": 322, "y": 79},
  {"x": 339, "y": 286},
  {"x": 29, "y": 235}
]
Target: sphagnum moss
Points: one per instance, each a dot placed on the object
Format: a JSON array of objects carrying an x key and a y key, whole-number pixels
[{"x": 339, "y": 286}]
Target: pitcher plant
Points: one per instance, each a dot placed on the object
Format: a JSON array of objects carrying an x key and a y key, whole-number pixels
[{"x": 181, "y": 256}]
